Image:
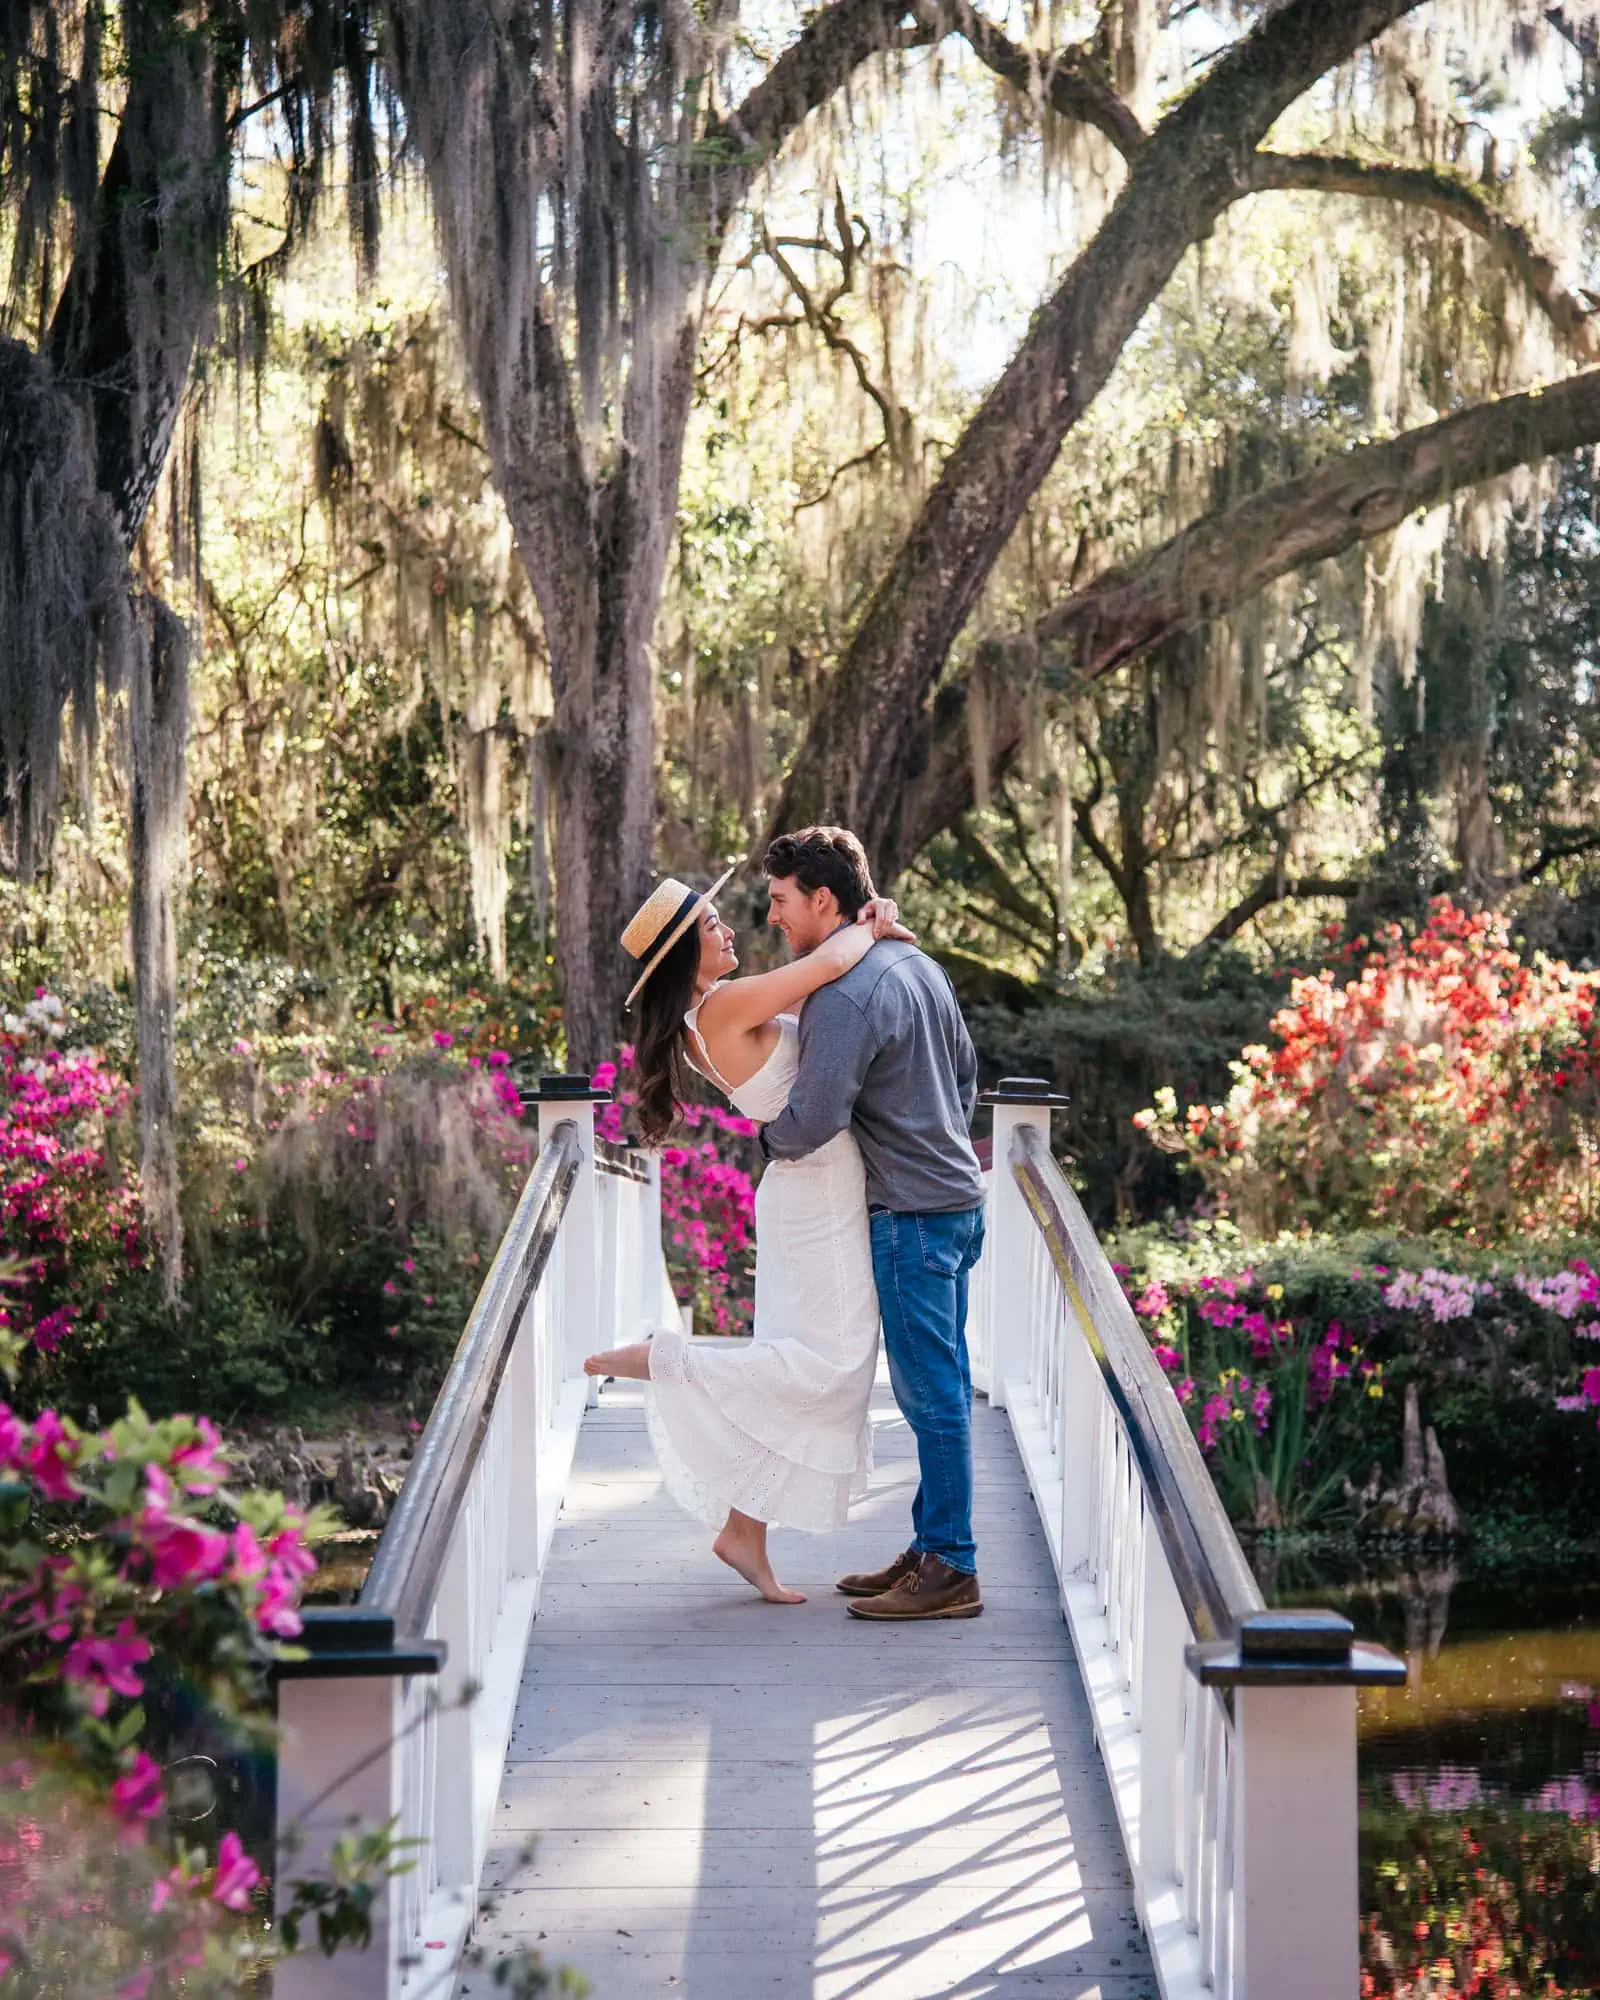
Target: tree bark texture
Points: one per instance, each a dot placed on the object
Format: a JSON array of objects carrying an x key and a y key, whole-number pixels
[
  {"x": 137, "y": 299},
  {"x": 856, "y": 762},
  {"x": 158, "y": 719}
]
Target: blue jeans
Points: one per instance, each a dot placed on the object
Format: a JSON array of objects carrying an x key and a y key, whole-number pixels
[{"x": 921, "y": 1264}]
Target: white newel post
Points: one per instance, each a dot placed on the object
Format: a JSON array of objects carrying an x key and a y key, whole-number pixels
[
  {"x": 1009, "y": 1228},
  {"x": 340, "y": 1764},
  {"x": 1295, "y": 1895},
  {"x": 581, "y": 1322},
  {"x": 1296, "y": 1902}
]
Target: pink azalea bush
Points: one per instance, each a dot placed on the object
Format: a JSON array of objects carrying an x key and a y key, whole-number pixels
[
  {"x": 67, "y": 1219},
  {"x": 124, "y": 1553},
  {"x": 1282, "y": 1359},
  {"x": 708, "y": 1202},
  {"x": 1259, "y": 1384},
  {"x": 126, "y": 1543}
]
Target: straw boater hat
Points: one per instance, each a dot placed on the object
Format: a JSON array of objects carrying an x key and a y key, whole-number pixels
[{"x": 661, "y": 919}]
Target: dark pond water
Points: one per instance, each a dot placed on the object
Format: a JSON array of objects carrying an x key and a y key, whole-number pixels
[{"x": 1480, "y": 1779}]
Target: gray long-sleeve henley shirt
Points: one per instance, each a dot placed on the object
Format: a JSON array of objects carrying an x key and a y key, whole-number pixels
[{"x": 885, "y": 1051}]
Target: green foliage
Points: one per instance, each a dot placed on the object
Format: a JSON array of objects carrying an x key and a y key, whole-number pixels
[{"x": 1105, "y": 1042}]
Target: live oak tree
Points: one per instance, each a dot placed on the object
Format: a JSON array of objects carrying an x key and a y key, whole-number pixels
[
  {"x": 894, "y": 748},
  {"x": 589, "y": 167}
]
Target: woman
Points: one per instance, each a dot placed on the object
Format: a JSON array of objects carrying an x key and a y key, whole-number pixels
[{"x": 778, "y": 1432}]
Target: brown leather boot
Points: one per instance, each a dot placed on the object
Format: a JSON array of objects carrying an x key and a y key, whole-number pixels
[
  {"x": 932, "y": 1590},
  {"x": 874, "y": 1582}
]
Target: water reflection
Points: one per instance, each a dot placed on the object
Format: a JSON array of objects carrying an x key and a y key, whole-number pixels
[{"x": 1480, "y": 1778}]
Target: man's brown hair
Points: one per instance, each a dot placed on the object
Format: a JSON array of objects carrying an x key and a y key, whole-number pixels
[{"x": 824, "y": 857}]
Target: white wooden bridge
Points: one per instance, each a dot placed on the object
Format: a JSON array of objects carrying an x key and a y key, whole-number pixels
[{"x": 1128, "y": 1778}]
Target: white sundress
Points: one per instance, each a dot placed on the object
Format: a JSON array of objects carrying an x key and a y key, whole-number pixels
[{"x": 780, "y": 1429}]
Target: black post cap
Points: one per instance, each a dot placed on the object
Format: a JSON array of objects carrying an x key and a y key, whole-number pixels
[
  {"x": 1024, "y": 1090},
  {"x": 1289, "y": 1648},
  {"x": 572, "y": 1087}
]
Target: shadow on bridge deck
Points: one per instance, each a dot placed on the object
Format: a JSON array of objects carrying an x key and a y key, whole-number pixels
[{"x": 729, "y": 1799}]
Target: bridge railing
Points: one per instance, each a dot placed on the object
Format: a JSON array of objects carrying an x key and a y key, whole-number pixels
[
  {"x": 401, "y": 1713},
  {"x": 1228, "y": 1731}
]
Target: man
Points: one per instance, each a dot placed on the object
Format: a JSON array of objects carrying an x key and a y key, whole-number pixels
[{"x": 884, "y": 1050}]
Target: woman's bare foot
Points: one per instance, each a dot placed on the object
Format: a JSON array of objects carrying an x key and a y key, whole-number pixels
[
  {"x": 628, "y": 1364},
  {"x": 742, "y": 1545}
]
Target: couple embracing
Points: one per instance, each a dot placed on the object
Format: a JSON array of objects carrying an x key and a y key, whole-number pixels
[{"x": 870, "y": 1207}]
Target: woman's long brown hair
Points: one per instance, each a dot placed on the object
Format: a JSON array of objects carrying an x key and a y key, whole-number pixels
[{"x": 659, "y": 1050}]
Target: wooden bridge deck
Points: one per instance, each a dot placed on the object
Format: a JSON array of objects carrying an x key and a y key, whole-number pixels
[{"x": 727, "y": 1800}]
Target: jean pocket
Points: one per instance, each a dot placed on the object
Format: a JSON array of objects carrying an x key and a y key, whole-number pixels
[{"x": 945, "y": 1241}]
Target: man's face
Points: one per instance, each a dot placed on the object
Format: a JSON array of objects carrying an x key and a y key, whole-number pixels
[{"x": 805, "y": 920}]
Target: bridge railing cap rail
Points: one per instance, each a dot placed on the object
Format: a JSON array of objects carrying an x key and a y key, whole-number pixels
[{"x": 382, "y": 1632}]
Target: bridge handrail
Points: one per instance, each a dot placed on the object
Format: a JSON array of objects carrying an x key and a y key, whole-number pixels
[
  {"x": 403, "y": 1581},
  {"x": 1215, "y": 1583},
  {"x": 1227, "y": 1731},
  {"x": 401, "y": 1710}
]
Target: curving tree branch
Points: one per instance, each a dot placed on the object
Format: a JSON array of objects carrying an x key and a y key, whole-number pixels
[
  {"x": 1277, "y": 887},
  {"x": 1450, "y": 196},
  {"x": 1073, "y": 82},
  {"x": 817, "y": 64},
  {"x": 1220, "y": 561},
  {"x": 1226, "y": 557}
]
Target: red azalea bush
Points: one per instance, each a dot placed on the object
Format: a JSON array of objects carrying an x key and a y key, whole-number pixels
[
  {"x": 68, "y": 1220},
  {"x": 708, "y": 1203},
  {"x": 1448, "y": 1086}
]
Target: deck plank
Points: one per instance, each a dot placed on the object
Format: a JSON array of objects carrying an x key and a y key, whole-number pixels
[{"x": 712, "y": 1797}]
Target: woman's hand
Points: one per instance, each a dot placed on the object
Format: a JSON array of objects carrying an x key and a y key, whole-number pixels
[{"x": 883, "y": 914}]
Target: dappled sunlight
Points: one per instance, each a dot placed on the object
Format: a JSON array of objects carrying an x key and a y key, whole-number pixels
[
  {"x": 709, "y": 1795},
  {"x": 944, "y": 1851}
]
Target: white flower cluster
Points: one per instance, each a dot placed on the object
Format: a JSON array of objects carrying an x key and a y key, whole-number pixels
[{"x": 44, "y": 1015}]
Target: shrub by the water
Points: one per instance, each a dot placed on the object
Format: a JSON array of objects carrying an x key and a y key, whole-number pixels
[{"x": 1292, "y": 1359}]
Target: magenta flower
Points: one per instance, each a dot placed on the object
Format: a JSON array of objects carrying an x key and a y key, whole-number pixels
[
  {"x": 249, "y": 1558},
  {"x": 276, "y": 1613},
  {"x": 13, "y": 1436},
  {"x": 103, "y": 1667},
  {"x": 52, "y": 1457},
  {"x": 443, "y": 1039},
  {"x": 236, "y": 1874},
  {"x": 138, "y": 1793}
]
